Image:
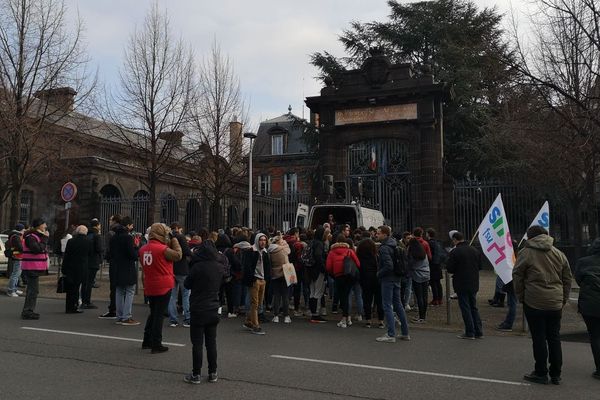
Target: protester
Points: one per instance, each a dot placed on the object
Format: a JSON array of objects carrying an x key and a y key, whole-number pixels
[
  {"x": 371, "y": 288},
  {"x": 15, "y": 254},
  {"x": 180, "y": 270},
  {"x": 33, "y": 264},
  {"x": 157, "y": 259},
  {"x": 94, "y": 261},
  {"x": 257, "y": 270},
  {"x": 587, "y": 275},
  {"x": 204, "y": 281},
  {"x": 542, "y": 279},
  {"x": 438, "y": 257},
  {"x": 316, "y": 273},
  {"x": 343, "y": 284},
  {"x": 114, "y": 225},
  {"x": 278, "y": 252},
  {"x": 418, "y": 267},
  {"x": 464, "y": 263},
  {"x": 390, "y": 286},
  {"x": 74, "y": 267}
]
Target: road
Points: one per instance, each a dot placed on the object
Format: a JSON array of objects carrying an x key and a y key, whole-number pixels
[{"x": 83, "y": 357}]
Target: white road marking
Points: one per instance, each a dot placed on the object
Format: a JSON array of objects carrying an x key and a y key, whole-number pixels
[
  {"x": 94, "y": 335},
  {"x": 406, "y": 371}
]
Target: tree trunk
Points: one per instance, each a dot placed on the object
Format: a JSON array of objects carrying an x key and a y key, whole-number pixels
[{"x": 151, "y": 201}]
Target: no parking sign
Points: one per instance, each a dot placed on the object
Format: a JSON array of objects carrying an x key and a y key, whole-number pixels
[{"x": 68, "y": 192}]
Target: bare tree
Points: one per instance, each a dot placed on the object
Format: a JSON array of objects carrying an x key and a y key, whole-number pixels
[
  {"x": 560, "y": 71},
  {"x": 219, "y": 105},
  {"x": 150, "y": 109},
  {"x": 42, "y": 67}
]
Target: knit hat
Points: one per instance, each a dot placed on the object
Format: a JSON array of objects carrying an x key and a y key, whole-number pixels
[
  {"x": 37, "y": 222},
  {"x": 19, "y": 227}
]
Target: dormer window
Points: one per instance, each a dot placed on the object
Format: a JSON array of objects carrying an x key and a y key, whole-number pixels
[{"x": 277, "y": 145}]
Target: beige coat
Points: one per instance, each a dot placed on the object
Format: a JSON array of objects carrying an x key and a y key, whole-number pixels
[
  {"x": 279, "y": 255},
  {"x": 542, "y": 275}
]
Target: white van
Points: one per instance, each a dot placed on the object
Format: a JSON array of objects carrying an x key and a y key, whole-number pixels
[{"x": 352, "y": 214}]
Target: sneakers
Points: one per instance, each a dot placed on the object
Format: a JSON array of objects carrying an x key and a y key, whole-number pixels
[
  {"x": 89, "y": 306},
  {"x": 30, "y": 316},
  {"x": 317, "y": 319},
  {"x": 258, "y": 331},
  {"x": 381, "y": 325},
  {"x": 186, "y": 323},
  {"x": 287, "y": 320},
  {"x": 108, "y": 315},
  {"x": 503, "y": 328},
  {"x": 359, "y": 317},
  {"x": 367, "y": 324},
  {"x": 454, "y": 296},
  {"x": 275, "y": 319},
  {"x": 555, "y": 380},
  {"x": 231, "y": 315},
  {"x": 342, "y": 324},
  {"x": 220, "y": 310},
  {"x": 173, "y": 324},
  {"x": 407, "y": 308},
  {"x": 323, "y": 312},
  {"x": 12, "y": 294},
  {"x": 213, "y": 377},
  {"x": 159, "y": 349},
  {"x": 130, "y": 322},
  {"x": 387, "y": 339},
  {"x": 466, "y": 337},
  {"x": 298, "y": 314},
  {"x": 191, "y": 378},
  {"x": 419, "y": 321},
  {"x": 535, "y": 378},
  {"x": 406, "y": 338},
  {"x": 247, "y": 325},
  {"x": 19, "y": 292}
]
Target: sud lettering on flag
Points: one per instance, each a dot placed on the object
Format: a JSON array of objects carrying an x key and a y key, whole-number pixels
[
  {"x": 496, "y": 242},
  {"x": 541, "y": 219}
]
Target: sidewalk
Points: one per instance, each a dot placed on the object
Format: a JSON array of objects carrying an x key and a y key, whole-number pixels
[{"x": 572, "y": 322}]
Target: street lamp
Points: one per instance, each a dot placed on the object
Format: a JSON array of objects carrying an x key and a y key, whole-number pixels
[{"x": 251, "y": 136}]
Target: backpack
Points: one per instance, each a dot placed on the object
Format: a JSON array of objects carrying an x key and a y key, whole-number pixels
[
  {"x": 8, "y": 251},
  {"x": 292, "y": 257},
  {"x": 306, "y": 257},
  {"x": 400, "y": 263},
  {"x": 438, "y": 254}
]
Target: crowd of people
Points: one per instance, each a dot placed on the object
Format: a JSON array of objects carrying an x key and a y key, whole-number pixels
[{"x": 195, "y": 279}]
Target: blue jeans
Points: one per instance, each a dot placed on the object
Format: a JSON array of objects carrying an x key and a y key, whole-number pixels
[
  {"x": 406, "y": 285},
  {"x": 467, "y": 302},
  {"x": 185, "y": 300},
  {"x": 13, "y": 281},
  {"x": 390, "y": 297},
  {"x": 124, "y": 299},
  {"x": 357, "y": 290},
  {"x": 511, "y": 299}
]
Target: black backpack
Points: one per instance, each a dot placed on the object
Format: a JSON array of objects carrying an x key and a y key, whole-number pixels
[
  {"x": 438, "y": 255},
  {"x": 306, "y": 257},
  {"x": 400, "y": 262},
  {"x": 292, "y": 257}
]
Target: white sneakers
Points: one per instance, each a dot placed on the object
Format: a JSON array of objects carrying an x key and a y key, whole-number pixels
[
  {"x": 342, "y": 324},
  {"x": 275, "y": 319},
  {"x": 12, "y": 294},
  {"x": 231, "y": 315},
  {"x": 359, "y": 317},
  {"x": 386, "y": 339},
  {"x": 287, "y": 320}
]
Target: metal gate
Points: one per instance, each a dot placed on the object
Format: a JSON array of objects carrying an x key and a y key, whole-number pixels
[{"x": 378, "y": 177}]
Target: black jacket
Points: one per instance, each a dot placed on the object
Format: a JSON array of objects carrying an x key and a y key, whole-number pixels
[
  {"x": 181, "y": 267},
  {"x": 249, "y": 261},
  {"x": 464, "y": 262},
  {"x": 587, "y": 275},
  {"x": 368, "y": 263},
  {"x": 75, "y": 260},
  {"x": 386, "y": 256},
  {"x": 122, "y": 255},
  {"x": 97, "y": 250},
  {"x": 204, "y": 281}
]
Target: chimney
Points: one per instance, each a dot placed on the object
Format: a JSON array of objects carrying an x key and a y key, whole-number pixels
[
  {"x": 235, "y": 139},
  {"x": 172, "y": 137},
  {"x": 62, "y": 98}
]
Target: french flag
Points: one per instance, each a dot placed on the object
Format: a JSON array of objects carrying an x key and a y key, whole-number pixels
[{"x": 373, "y": 162}]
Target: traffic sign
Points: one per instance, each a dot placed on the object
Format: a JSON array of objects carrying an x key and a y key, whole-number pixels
[{"x": 68, "y": 192}]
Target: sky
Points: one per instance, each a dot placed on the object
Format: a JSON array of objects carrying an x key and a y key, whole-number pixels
[{"x": 269, "y": 41}]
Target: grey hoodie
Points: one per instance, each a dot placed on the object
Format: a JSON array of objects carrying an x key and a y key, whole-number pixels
[{"x": 259, "y": 272}]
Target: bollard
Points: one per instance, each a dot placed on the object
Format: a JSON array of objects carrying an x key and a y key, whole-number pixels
[{"x": 448, "y": 299}]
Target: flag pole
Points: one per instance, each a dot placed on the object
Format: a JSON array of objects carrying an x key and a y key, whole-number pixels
[
  {"x": 522, "y": 239},
  {"x": 473, "y": 238}
]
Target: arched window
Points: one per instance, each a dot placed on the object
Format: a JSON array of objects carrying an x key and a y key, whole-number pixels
[
  {"x": 232, "y": 216},
  {"x": 26, "y": 205},
  {"x": 139, "y": 210},
  {"x": 169, "y": 212},
  {"x": 193, "y": 215},
  {"x": 110, "y": 191}
]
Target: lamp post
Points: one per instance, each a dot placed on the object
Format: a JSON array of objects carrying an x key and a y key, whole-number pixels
[{"x": 251, "y": 136}]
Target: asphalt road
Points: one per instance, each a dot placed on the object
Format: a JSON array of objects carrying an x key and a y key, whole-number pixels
[{"x": 297, "y": 361}]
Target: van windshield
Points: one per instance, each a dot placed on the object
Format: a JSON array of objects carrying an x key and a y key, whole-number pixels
[{"x": 341, "y": 215}]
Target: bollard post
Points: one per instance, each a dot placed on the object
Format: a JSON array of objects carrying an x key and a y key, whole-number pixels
[{"x": 448, "y": 299}]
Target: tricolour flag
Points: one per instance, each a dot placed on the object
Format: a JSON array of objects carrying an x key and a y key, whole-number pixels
[
  {"x": 496, "y": 241},
  {"x": 373, "y": 160},
  {"x": 541, "y": 219}
]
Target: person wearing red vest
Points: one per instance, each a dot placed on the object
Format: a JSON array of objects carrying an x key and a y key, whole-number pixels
[
  {"x": 157, "y": 259},
  {"x": 33, "y": 263}
]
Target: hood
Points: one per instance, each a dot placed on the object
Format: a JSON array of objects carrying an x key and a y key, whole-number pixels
[
  {"x": 223, "y": 242},
  {"x": 277, "y": 248},
  {"x": 595, "y": 248},
  {"x": 118, "y": 228},
  {"x": 338, "y": 245},
  {"x": 243, "y": 245},
  {"x": 540, "y": 242},
  {"x": 206, "y": 252},
  {"x": 257, "y": 238},
  {"x": 159, "y": 232},
  {"x": 390, "y": 241},
  {"x": 319, "y": 234}
]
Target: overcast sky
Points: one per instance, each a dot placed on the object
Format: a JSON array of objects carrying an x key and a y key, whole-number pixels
[{"x": 269, "y": 41}]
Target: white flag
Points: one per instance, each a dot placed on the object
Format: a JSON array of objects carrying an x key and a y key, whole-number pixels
[
  {"x": 541, "y": 219},
  {"x": 496, "y": 241}
]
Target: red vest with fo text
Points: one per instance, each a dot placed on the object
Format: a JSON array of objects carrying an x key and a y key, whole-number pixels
[
  {"x": 34, "y": 261},
  {"x": 158, "y": 272}
]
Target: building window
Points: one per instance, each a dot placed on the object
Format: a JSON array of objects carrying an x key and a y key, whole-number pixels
[
  {"x": 25, "y": 208},
  {"x": 290, "y": 183},
  {"x": 264, "y": 184},
  {"x": 277, "y": 145}
]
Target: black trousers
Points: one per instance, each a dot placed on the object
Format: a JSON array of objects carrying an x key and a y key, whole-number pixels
[
  {"x": 545, "y": 335},
  {"x": 31, "y": 294},
  {"x": 593, "y": 327},
  {"x": 154, "y": 323},
  {"x": 343, "y": 285},
  {"x": 436, "y": 289},
  {"x": 421, "y": 290},
  {"x": 371, "y": 290},
  {"x": 112, "y": 306},
  {"x": 72, "y": 292},
  {"x": 87, "y": 285},
  {"x": 207, "y": 335}
]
